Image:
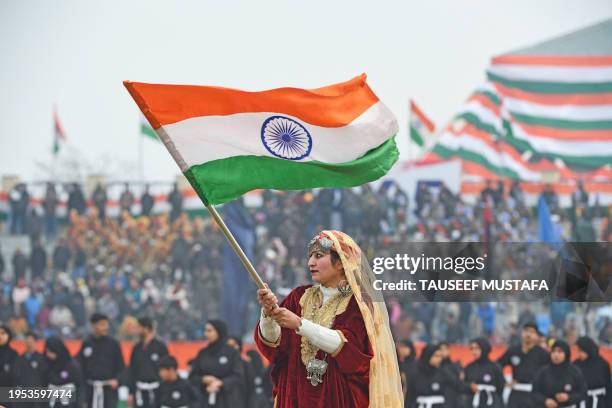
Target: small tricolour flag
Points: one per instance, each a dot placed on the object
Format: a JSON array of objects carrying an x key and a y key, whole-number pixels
[
  {"x": 58, "y": 132},
  {"x": 421, "y": 127},
  {"x": 228, "y": 141},
  {"x": 146, "y": 130}
]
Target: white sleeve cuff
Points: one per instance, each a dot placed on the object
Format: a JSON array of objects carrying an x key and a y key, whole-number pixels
[
  {"x": 269, "y": 329},
  {"x": 328, "y": 340}
]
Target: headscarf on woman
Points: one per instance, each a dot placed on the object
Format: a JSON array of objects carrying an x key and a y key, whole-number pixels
[
  {"x": 485, "y": 348},
  {"x": 385, "y": 388},
  {"x": 221, "y": 328},
  {"x": 426, "y": 354},
  {"x": 56, "y": 345}
]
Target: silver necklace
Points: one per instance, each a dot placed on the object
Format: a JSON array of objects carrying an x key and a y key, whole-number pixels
[{"x": 315, "y": 369}]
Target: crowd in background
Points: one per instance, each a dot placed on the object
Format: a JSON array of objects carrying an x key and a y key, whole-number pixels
[{"x": 172, "y": 266}]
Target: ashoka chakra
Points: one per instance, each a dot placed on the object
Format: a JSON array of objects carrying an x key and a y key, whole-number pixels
[{"x": 286, "y": 138}]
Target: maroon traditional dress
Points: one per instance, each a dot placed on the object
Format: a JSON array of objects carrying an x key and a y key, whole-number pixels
[{"x": 346, "y": 381}]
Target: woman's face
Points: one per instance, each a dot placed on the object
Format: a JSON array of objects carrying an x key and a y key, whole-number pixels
[
  {"x": 211, "y": 333},
  {"x": 323, "y": 270},
  {"x": 51, "y": 355},
  {"x": 557, "y": 355},
  {"x": 476, "y": 351},
  {"x": 403, "y": 351},
  {"x": 436, "y": 359}
]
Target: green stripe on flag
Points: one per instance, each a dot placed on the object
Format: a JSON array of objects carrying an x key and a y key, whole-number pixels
[
  {"x": 474, "y": 157},
  {"x": 148, "y": 131},
  {"x": 223, "y": 180},
  {"x": 552, "y": 87},
  {"x": 591, "y": 161},
  {"x": 416, "y": 136},
  {"x": 473, "y": 119},
  {"x": 491, "y": 96},
  {"x": 562, "y": 123}
]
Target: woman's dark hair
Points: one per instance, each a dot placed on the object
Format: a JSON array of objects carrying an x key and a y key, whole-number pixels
[
  {"x": 146, "y": 322},
  {"x": 168, "y": 362},
  {"x": 57, "y": 346},
  {"x": 335, "y": 258}
]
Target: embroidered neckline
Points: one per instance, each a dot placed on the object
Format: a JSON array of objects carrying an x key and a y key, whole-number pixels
[{"x": 320, "y": 313}]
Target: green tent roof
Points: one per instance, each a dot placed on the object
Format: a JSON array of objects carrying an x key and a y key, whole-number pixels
[{"x": 592, "y": 40}]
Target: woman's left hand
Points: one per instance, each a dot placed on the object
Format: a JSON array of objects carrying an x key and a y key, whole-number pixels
[{"x": 286, "y": 318}]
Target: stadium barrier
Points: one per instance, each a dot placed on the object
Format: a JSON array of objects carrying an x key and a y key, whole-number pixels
[{"x": 185, "y": 351}]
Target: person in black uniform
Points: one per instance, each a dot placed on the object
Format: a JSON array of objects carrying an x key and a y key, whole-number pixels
[
  {"x": 63, "y": 374},
  {"x": 525, "y": 361},
  {"x": 596, "y": 372},
  {"x": 8, "y": 360},
  {"x": 174, "y": 392},
  {"x": 236, "y": 343},
  {"x": 217, "y": 370},
  {"x": 144, "y": 369},
  {"x": 454, "y": 369},
  {"x": 433, "y": 385},
  {"x": 102, "y": 363},
  {"x": 146, "y": 202},
  {"x": 560, "y": 383},
  {"x": 485, "y": 375},
  {"x": 31, "y": 368},
  {"x": 406, "y": 354},
  {"x": 260, "y": 394}
]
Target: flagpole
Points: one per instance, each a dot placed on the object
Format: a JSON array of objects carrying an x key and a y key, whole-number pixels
[
  {"x": 236, "y": 246},
  {"x": 163, "y": 136}
]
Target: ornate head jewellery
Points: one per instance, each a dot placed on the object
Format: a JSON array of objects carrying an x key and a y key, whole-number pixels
[{"x": 319, "y": 243}]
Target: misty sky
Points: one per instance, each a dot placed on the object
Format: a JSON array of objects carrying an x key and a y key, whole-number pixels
[{"x": 75, "y": 54}]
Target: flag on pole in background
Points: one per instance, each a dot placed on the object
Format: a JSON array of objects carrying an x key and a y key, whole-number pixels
[
  {"x": 58, "y": 132},
  {"x": 146, "y": 130},
  {"x": 421, "y": 128},
  {"x": 547, "y": 230},
  {"x": 228, "y": 141}
]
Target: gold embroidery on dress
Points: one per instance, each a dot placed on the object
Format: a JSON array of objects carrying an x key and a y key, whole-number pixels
[{"x": 323, "y": 315}]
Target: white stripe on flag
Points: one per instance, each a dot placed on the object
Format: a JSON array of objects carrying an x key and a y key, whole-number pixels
[
  {"x": 206, "y": 138},
  {"x": 487, "y": 87},
  {"x": 553, "y": 73},
  {"x": 564, "y": 147},
  {"x": 565, "y": 112}
]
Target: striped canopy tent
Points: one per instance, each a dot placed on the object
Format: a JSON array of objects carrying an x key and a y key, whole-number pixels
[{"x": 543, "y": 114}]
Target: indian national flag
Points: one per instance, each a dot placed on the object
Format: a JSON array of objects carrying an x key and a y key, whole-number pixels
[
  {"x": 421, "y": 128},
  {"x": 58, "y": 133},
  {"x": 228, "y": 141},
  {"x": 146, "y": 130}
]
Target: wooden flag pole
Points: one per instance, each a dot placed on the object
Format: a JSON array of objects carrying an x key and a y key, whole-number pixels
[
  {"x": 236, "y": 247},
  {"x": 163, "y": 136}
]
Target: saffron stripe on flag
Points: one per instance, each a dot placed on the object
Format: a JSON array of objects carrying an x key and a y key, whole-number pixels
[{"x": 333, "y": 106}]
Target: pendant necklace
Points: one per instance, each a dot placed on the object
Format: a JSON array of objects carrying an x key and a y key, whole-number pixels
[{"x": 315, "y": 368}]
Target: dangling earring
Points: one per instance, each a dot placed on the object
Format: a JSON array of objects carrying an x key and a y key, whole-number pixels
[{"x": 344, "y": 288}]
